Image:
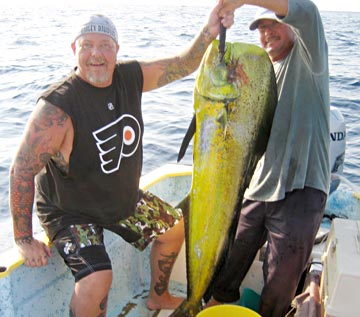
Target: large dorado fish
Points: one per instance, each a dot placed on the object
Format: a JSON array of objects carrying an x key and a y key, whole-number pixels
[{"x": 234, "y": 101}]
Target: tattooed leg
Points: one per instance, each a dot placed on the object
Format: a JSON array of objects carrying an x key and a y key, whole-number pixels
[
  {"x": 165, "y": 266},
  {"x": 102, "y": 309},
  {"x": 72, "y": 313},
  {"x": 91, "y": 295},
  {"x": 163, "y": 255}
]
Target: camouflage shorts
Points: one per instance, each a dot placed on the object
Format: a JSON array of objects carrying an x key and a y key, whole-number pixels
[
  {"x": 82, "y": 245},
  {"x": 152, "y": 217}
]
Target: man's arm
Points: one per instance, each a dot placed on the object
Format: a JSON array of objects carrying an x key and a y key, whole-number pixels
[
  {"x": 160, "y": 72},
  {"x": 43, "y": 138}
]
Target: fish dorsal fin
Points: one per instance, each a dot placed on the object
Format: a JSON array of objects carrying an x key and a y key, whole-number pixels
[{"x": 187, "y": 138}]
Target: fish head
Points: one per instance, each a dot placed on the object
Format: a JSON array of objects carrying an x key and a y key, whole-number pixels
[
  {"x": 224, "y": 79},
  {"x": 218, "y": 80}
]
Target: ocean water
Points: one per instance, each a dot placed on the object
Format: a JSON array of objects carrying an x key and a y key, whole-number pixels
[{"x": 35, "y": 52}]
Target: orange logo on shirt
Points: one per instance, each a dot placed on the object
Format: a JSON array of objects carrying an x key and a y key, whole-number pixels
[{"x": 113, "y": 146}]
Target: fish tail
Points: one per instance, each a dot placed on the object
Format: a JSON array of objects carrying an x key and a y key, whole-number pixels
[{"x": 187, "y": 309}]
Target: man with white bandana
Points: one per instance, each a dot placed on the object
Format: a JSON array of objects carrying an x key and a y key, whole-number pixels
[{"x": 83, "y": 144}]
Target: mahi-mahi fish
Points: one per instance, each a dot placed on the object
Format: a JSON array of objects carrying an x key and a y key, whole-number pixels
[{"x": 235, "y": 97}]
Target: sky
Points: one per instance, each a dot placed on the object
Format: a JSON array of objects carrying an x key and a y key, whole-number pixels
[{"x": 323, "y": 5}]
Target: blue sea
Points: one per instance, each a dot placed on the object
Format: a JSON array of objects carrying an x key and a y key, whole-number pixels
[{"x": 35, "y": 52}]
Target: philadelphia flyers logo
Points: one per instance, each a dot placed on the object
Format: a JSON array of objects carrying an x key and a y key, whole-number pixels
[{"x": 116, "y": 140}]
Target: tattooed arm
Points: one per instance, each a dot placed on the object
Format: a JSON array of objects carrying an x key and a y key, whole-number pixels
[
  {"x": 48, "y": 134},
  {"x": 158, "y": 73}
]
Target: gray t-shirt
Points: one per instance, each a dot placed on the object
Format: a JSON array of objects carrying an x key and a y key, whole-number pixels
[{"x": 297, "y": 151}]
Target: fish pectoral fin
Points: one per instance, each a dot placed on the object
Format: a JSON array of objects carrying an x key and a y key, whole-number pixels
[
  {"x": 187, "y": 138},
  {"x": 222, "y": 119}
]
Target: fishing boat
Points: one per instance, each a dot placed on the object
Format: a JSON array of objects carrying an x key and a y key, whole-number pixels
[
  {"x": 46, "y": 291},
  {"x": 329, "y": 288}
]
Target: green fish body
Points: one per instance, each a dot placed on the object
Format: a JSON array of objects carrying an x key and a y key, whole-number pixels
[{"x": 234, "y": 103}]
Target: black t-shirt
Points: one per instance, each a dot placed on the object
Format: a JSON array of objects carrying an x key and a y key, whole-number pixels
[{"x": 102, "y": 185}]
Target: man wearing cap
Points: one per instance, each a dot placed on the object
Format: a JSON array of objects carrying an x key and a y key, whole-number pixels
[
  {"x": 285, "y": 201},
  {"x": 83, "y": 144}
]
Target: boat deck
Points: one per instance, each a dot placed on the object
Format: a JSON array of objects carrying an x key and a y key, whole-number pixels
[{"x": 136, "y": 306}]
